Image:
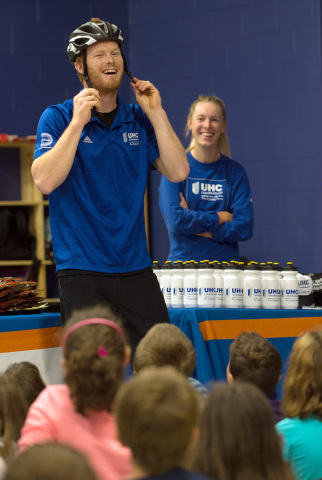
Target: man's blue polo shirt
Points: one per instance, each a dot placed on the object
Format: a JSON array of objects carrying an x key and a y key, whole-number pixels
[{"x": 97, "y": 214}]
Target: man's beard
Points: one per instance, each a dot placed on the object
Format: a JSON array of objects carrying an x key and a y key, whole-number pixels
[{"x": 102, "y": 86}]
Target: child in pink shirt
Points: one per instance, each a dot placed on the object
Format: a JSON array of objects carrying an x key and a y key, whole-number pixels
[{"x": 79, "y": 413}]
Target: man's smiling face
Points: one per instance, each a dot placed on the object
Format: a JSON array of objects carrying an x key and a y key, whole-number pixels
[{"x": 104, "y": 64}]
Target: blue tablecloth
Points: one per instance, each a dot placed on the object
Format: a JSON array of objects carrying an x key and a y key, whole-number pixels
[
  {"x": 213, "y": 330},
  {"x": 210, "y": 330}
]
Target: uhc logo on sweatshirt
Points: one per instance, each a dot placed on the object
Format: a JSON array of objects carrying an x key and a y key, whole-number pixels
[{"x": 209, "y": 190}]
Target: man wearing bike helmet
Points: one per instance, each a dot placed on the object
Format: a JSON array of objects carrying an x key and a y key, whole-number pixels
[{"x": 92, "y": 157}]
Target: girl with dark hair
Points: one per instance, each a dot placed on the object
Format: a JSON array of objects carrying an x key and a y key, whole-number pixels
[
  {"x": 238, "y": 440},
  {"x": 302, "y": 406},
  {"x": 79, "y": 413}
]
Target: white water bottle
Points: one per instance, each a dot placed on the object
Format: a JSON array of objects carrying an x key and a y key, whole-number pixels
[
  {"x": 232, "y": 287},
  {"x": 190, "y": 285},
  {"x": 206, "y": 286},
  {"x": 271, "y": 289},
  {"x": 177, "y": 290},
  {"x": 218, "y": 271},
  {"x": 289, "y": 287},
  {"x": 165, "y": 282},
  {"x": 252, "y": 288},
  {"x": 305, "y": 284}
]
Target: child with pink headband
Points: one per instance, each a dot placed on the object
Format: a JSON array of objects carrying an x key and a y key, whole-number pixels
[{"x": 79, "y": 413}]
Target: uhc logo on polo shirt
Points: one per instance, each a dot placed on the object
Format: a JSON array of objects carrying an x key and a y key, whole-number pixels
[{"x": 132, "y": 138}]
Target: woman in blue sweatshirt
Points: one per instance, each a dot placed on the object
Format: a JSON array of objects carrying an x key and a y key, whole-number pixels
[{"x": 211, "y": 211}]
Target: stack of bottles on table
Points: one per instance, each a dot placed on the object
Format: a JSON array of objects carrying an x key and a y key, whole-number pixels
[
  {"x": 19, "y": 294},
  {"x": 210, "y": 284}
]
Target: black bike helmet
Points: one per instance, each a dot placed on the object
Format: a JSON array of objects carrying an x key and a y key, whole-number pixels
[{"x": 89, "y": 33}]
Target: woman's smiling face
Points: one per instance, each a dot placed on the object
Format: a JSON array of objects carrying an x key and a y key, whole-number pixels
[{"x": 206, "y": 124}]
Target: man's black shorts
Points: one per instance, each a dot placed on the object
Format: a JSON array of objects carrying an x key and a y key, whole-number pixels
[{"x": 136, "y": 296}]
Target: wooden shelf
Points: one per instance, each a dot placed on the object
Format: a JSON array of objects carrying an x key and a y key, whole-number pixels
[
  {"x": 28, "y": 196},
  {"x": 15, "y": 263},
  {"x": 17, "y": 203},
  {"x": 49, "y": 262}
]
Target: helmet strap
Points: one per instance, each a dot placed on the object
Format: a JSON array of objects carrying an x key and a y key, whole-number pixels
[
  {"x": 126, "y": 70},
  {"x": 86, "y": 78},
  {"x": 85, "y": 74}
]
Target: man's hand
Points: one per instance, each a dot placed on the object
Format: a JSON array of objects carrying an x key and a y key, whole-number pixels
[
  {"x": 147, "y": 96},
  {"x": 83, "y": 104}
]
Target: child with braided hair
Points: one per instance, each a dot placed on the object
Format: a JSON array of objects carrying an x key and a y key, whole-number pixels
[{"x": 79, "y": 413}]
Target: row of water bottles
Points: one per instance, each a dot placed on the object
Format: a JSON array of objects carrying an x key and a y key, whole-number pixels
[{"x": 228, "y": 285}]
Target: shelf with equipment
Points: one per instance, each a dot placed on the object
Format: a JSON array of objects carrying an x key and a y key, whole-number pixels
[{"x": 18, "y": 191}]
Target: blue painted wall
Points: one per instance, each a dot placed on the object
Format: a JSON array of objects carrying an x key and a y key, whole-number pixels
[
  {"x": 35, "y": 70},
  {"x": 262, "y": 57}
]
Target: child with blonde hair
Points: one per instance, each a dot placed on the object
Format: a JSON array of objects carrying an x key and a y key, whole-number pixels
[
  {"x": 165, "y": 344},
  {"x": 301, "y": 404}
]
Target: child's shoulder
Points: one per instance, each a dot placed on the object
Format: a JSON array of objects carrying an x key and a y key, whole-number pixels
[{"x": 58, "y": 393}]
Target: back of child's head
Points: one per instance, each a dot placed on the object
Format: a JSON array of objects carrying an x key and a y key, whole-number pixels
[
  {"x": 156, "y": 413},
  {"x": 254, "y": 359},
  {"x": 302, "y": 395},
  {"x": 50, "y": 461},
  {"x": 237, "y": 438},
  {"x": 95, "y": 355},
  {"x": 165, "y": 344},
  {"x": 13, "y": 411},
  {"x": 28, "y": 378}
]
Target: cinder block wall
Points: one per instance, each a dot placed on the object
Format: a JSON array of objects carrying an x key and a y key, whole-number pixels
[
  {"x": 264, "y": 59},
  {"x": 35, "y": 71}
]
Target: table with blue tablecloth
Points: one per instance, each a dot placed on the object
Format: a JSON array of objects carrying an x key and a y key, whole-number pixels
[
  {"x": 32, "y": 337},
  {"x": 212, "y": 331},
  {"x": 36, "y": 337}
]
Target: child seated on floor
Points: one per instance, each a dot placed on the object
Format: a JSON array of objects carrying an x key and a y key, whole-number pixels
[
  {"x": 255, "y": 360},
  {"x": 157, "y": 414},
  {"x": 27, "y": 376},
  {"x": 165, "y": 344},
  {"x": 238, "y": 440},
  {"x": 13, "y": 411},
  {"x": 50, "y": 461},
  {"x": 79, "y": 413},
  {"x": 301, "y": 429}
]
